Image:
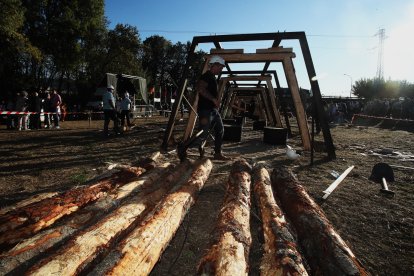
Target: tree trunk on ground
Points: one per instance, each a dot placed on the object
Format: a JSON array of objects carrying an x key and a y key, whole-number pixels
[
  {"x": 92, "y": 243},
  {"x": 23, "y": 223},
  {"x": 25, "y": 202},
  {"x": 325, "y": 251},
  {"x": 281, "y": 256},
  {"x": 33, "y": 247},
  {"x": 229, "y": 253},
  {"x": 140, "y": 251}
]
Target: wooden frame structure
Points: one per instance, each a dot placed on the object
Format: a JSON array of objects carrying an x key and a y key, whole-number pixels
[
  {"x": 267, "y": 56},
  {"x": 255, "y": 92}
]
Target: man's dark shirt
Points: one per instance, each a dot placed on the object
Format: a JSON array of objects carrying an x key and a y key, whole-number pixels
[{"x": 204, "y": 103}]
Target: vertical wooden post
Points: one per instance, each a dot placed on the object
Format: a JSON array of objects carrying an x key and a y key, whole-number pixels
[
  {"x": 272, "y": 97},
  {"x": 260, "y": 103},
  {"x": 300, "y": 111},
  {"x": 267, "y": 108},
  {"x": 177, "y": 103},
  {"x": 228, "y": 103},
  {"x": 323, "y": 120}
]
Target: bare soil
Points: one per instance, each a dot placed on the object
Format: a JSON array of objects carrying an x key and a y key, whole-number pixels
[{"x": 379, "y": 229}]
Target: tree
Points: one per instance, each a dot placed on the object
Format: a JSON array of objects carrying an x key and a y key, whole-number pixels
[
  {"x": 379, "y": 88},
  {"x": 156, "y": 60},
  {"x": 59, "y": 28},
  {"x": 14, "y": 45},
  {"x": 123, "y": 49}
]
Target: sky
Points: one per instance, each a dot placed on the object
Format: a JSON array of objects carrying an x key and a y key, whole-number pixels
[{"x": 342, "y": 34}]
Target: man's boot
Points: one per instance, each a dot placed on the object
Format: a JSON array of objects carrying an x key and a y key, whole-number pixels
[
  {"x": 220, "y": 156},
  {"x": 201, "y": 150}
]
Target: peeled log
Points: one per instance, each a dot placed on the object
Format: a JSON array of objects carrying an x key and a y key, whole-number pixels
[
  {"x": 140, "y": 251},
  {"x": 32, "y": 218},
  {"x": 16, "y": 258},
  {"x": 87, "y": 246},
  {"x": 25, "y": 202},
  {"x": 229, "y": 253},
  {"x": 281, "y": 256},
  {"x": 325, "y": 251}
]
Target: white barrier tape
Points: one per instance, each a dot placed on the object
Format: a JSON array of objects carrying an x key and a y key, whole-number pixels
[{"x": 30, "y": 112}]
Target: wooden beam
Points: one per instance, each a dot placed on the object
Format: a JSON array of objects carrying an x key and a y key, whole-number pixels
[
  {"x": 226, "y": 51},
  {"x": 252, "y": 57},
  {"x": 269, "y": 116},
  {"x": 300, "y": 111},
  {"x": 274, "y": 50},
  {"x": 275, "y": 110},
  {"x": 173, "y": 115},
  {"x": 261, "y": 108},
  {"x": 247, "y": 78},
  {"x": 228, "y": 103},
  {"x": 236, "y": 89},
  {"x": 177, "y": 103},
  {"x": 317, "y": 97}
]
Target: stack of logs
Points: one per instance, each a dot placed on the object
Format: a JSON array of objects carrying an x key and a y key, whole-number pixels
[{"x": 121, "y": 223}]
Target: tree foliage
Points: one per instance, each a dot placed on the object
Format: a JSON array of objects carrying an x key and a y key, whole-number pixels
[{"x": 380, "y": 89}]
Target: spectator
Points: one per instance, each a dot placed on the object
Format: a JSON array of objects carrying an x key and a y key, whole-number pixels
[
  {"x": 125, "y": 111},
  {"x": 109, "y": 110},
  {"x": 47, "y": 108},
  {"x": 64, "y": 111},
  {"x": 35, "y": 106},
  {"x": 21, "y": 106},
  {"x": 55, "y": 102}
]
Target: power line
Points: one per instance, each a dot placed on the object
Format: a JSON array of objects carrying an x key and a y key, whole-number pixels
[{"x": 218, "y": 33}]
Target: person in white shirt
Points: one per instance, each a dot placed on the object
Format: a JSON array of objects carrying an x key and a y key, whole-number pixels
[
  {"x": 125, "y": 110},
  {"x": 109, "y": 110}
]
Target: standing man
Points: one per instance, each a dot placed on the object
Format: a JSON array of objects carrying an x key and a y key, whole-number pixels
[
  {"x": 125, "y": 111},
  {"x": 109, "y": 110},
  {"x": 208, "y": 105},
  {"x": 35, "y": 106},
  {"x": 55, "y": 102}
]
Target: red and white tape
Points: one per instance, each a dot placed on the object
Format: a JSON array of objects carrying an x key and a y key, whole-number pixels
[
  {"x": 30, "y": 112},
  {"x": 23, "y": 112}
]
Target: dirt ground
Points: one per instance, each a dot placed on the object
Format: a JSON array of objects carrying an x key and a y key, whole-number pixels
[{"x": 379, "y": 229}]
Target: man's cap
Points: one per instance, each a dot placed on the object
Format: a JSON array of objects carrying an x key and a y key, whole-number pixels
[
  {"x": 217, "y": 59},
  {"x": 111, "y": 87}
]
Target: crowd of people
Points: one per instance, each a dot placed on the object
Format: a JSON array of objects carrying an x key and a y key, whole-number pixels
[{"x": 49, "y": 104}]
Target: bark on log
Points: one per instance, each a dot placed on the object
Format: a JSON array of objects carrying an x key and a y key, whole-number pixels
[
  {"x": 281, "y": 256},
  {"x": 25, "y": 202},
  {"x": 32, "y": 218},
  {"x": 89, "y": 245},
  {"x": 229, "y": 253},
  {"x": 17, "y": 258},
  {"x": 324, "y": 249},
  {"x": 140, "y": 251}
]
